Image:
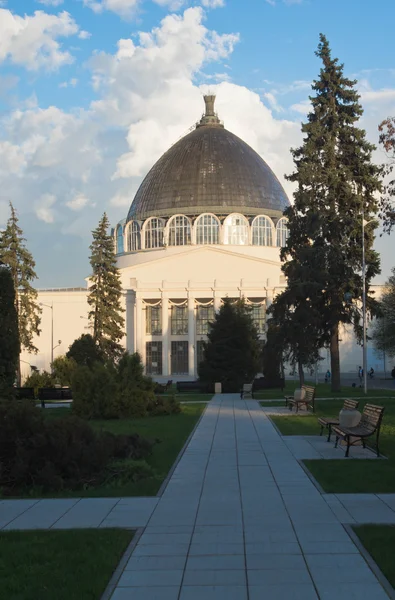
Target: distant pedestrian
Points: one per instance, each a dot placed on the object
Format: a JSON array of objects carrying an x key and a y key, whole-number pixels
[
  {"x": 360, "y": 375},
  {"x": 327, "y": 376}
]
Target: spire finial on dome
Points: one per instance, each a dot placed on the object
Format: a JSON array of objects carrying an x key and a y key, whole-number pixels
[{"x": 210, "y": 117}]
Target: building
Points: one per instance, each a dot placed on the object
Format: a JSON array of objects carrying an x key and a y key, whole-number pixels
[{"x": 206, "y": 223}]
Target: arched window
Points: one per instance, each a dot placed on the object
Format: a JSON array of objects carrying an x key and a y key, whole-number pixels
[
  {"x": 153, "y": 230},
  {"x": 236, "y": 230},
  {"x": 207, "y": 230},
  {"x": 119, "y": 239},
  {"x": 262, "y": 232},
  {"x": 282, "y": 232},
  {"x": 179, "y": 231},
  {"x": 134, "y": 237}
]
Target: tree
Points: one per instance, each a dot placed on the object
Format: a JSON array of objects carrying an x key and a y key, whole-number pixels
[
  {"x": 384, "y": 328},
  {"x": 336, "y": 183},
  {"x": 84, "y": 351},
  {"x": 14, "y": 254},
  {"x": 105, "y": 293},
  {"x": 387, "y": 205},
  {"x": 233, "y": 352},
  {"x": 62, "y": 370},
  {"x": 9, "y": 338}
]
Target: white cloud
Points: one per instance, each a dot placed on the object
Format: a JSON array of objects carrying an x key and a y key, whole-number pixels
[
  {"x": 84, "y": 35},
  {"x": 51, "y": 2},
  {"x": 213, "y": 3},
  {"x": 78, "y": 202},
  {"x": 70, "y": 83},
  {"x": 287, "y": 2},
  {"x": 272, "y": 100},
  {"x": 43, "y": 208},
  {"x": 303, "y": 107},
  {"x": 171, "y": 4},
  {"x": 123, "y": 8},
  {"x": 32, "y": 41}
]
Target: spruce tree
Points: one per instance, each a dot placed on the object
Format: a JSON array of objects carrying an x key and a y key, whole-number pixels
[
  {"x": 387, "y": 204},
  {"x": 105, "y": 293},
  {"x": 336, "y": 186},
  {"x": 232, "y": 355},
  {"x": 15, "y": 255},
  {"x": 9, "y": 338}
]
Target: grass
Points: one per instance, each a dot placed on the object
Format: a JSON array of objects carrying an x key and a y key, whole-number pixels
[
  {"x": 194, "y": 397},
  {"x": 172, "y": 431},
  {"x": 379, "y": 541},
  {"x": 322, "y": 391},
  {"x": 343, "y": 476},
  {"x": 66, "y": 565}
]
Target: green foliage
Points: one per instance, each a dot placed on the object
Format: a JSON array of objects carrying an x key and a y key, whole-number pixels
[
  {"x": 9, "y": 335},
  {"x": 14, "y": 254},
  {"x": 272, "y": 356},
  {"x": 84, "y": 351},
  {"x": 37, "y": 380},
  {"x": 336, "y": 187},
  {"x": 105, "y": 293},
  {"x": 384, "y": 327},
  {"x": 233, "y": 352},
  {"x": 387, "y": 201},
  {"x": 56, "y": 454},
  {"x": 62, "y": 370},
  {"x": 94, "y": 392}
]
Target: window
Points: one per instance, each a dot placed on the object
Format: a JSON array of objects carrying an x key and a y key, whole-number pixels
[
  {"x": 259, "y": 317},
  {"x": 119, "y": 239},
  {"x": 153, "y": 320},
  {"x": 179, "y": 231},
  {"x": 134, "y": 237},
  {"x": 199, "y": 352},
  {"x": 204, "y": 316},
  {"x": 236, "y": 230},
  {"x": 153, "y": 358},
  {"x": 179, "y": 358},
  {"x": 179, "y": 320},
  {"x": 282, "y": 232},
  {"x": 262, "y": 232},
  {"x": 154, "y": 233},
  {"x": 207, "y": 230}
]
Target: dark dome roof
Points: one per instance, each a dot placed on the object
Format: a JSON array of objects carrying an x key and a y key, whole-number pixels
[{"x": 209, "y": 170}]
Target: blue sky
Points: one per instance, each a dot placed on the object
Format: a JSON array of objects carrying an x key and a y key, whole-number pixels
[{"x": 92, "y": 92}]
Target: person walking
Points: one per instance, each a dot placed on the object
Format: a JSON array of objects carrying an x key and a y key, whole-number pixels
[{"x": 360, "y": 375}]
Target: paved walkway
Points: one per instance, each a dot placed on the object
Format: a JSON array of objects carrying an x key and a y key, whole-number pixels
[{"x": 241, "y": 520}]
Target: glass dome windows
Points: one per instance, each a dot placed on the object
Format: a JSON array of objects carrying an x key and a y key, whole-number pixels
[
  {"x": 134, "y": 237},
  {"x": 236, "y": 230},
  {"x": 282, "y": 232},
  {"x": 179, "y": 232},
  {"x": 154, "y": 233},
  {"x": 207, "y": 230},
  {"x": 119, "y": 245},
  {"x": 262, "y": 234}
]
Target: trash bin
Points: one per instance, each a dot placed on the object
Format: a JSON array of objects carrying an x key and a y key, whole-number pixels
[{"x": 218, "y": 388}]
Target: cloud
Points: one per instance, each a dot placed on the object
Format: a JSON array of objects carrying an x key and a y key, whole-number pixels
[
  {"x": 51, "y": 2},
  {"x": 84, "y": 35},
  {"x": 43, "y": 208},
  {"x": 32, "y": 41},
  {"x": 287, "y": 2},
  {"x": 124, "y": 8},
  {"x": 303, "y": 107},
  {"x": 78, "y": 202},
  {"x": 213, "y": 3},
  {"x": 272, "y": 100},
  {"x": 71, "y": 83}
]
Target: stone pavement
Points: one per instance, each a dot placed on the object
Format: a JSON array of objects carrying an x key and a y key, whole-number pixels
[{"x": 241, "y": 520}]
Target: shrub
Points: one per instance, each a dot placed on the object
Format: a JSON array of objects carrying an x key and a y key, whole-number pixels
[
  {"x": 84, "y": 351},
  {"x": 94, "y": 392},
  {"x": 164, "y": 405},
  {"x": 38, "y": 380},
  {"x": 64, "y": 453},
  {"x": 63, "y": 369}
]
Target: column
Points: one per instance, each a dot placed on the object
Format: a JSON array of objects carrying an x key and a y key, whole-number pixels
[
  {"x": 130, "y": 322},
  {"x": 269, "y": 297},
  {"x": 217, "y": 301},
  {"x": 165, "y": 335},
  {"x": 191, "y": 335},
  {"x": 139, "y": 327}
]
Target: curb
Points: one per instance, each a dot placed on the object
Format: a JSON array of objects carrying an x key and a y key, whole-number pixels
[{"x": 112, "y": 584}]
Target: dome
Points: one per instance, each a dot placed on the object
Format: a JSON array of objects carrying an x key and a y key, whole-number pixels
[{"x": 209, "y": 170}]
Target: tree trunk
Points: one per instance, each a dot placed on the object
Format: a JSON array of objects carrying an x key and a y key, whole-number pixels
[
  {"x": 335, "y": 358},
  {"x": 18, "y": 373},
  {"x": 301, "y": 373}
]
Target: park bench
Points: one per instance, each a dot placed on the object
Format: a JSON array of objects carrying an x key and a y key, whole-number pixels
[
  {"x": 369, "y": 425},
  {"x": 162, "y": 388},
  {"x": 328, "y": 422},
  {"x": 308, "y": 399},
  {"x": 247, "y": 391},
  {"x": 24, "y": 393}
]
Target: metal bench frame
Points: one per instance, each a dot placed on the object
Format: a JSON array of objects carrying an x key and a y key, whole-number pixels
[
  {"x": 369, "y": 425},
  {"x": 308, "y": 400},
  {"x": 328, "y": 423}
]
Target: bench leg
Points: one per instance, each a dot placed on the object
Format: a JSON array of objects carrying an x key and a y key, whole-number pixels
[
  {"x": 322, "y": 430},
  {"x": 348, "y": 445},
  {"x": 337, "y": 441},
  {"x": 329, "y": 433}
]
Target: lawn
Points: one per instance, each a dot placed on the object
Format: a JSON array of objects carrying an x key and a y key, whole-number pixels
[
  {"x": 61, "y": 565},
  {"x": 172, "y": 431},
  {"x": 379, "y": 541},
  {"x": 348, "y": 476},
  {"x": 322, "y": 391}
]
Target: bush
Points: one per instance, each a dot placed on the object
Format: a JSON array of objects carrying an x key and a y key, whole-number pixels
[
  {"x": 164, "y": 405},
  {"x": 64, "y": 453},
  {"x": 94, "y": 392},
  {"x": 63, "y": 369},
  {"x": 85, "y": 352},
  {"x": 38, "y": 380}
]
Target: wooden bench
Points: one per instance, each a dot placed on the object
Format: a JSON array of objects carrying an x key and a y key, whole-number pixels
[
  {"x": 247, "y": 391},
  {"x": 328, "y": 422},
  {"x": 308, "y": 400},
  {"x": 369, "y": 425}
]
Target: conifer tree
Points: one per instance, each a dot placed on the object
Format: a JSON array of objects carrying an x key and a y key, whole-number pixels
[
  {"x": 336, "y": 186},
  {"x": 105, "y": 293},
  {"x": 15, "y": 255},
  {"x": 9, "y": 338},
  {"x": 233, "y": 352},
  {"x": 387, "y": 204}
]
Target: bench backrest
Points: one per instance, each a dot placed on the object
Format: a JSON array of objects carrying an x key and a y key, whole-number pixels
[
  {"x": 247, "y": 387},
  {"x": 309, "y": 393},
  {"x": 371, "y": 416},
  {"x": 350, "y": 404}
]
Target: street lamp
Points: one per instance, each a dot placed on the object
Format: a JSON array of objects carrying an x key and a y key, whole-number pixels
[
  {"x": 52, "y": 348},
  {"x": 364, "y": 348}
]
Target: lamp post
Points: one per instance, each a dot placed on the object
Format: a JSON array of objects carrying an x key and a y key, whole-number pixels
[
  {"x": 52, "y": 348},
  {"x": 364, "y": 348}
]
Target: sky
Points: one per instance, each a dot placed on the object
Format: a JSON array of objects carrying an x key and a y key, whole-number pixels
[{"x": 92, "y": 92}]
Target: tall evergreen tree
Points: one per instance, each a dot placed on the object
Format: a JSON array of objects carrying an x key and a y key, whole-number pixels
[
  {"x": 15, "y": 255},
  {"x": 9, "y": 338},
  {"x": 232, "y": 355},
  {"x": 387, "y": 204},
  {"x": 336, "y": 186},
  {"x": 105, "y": 293}
]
